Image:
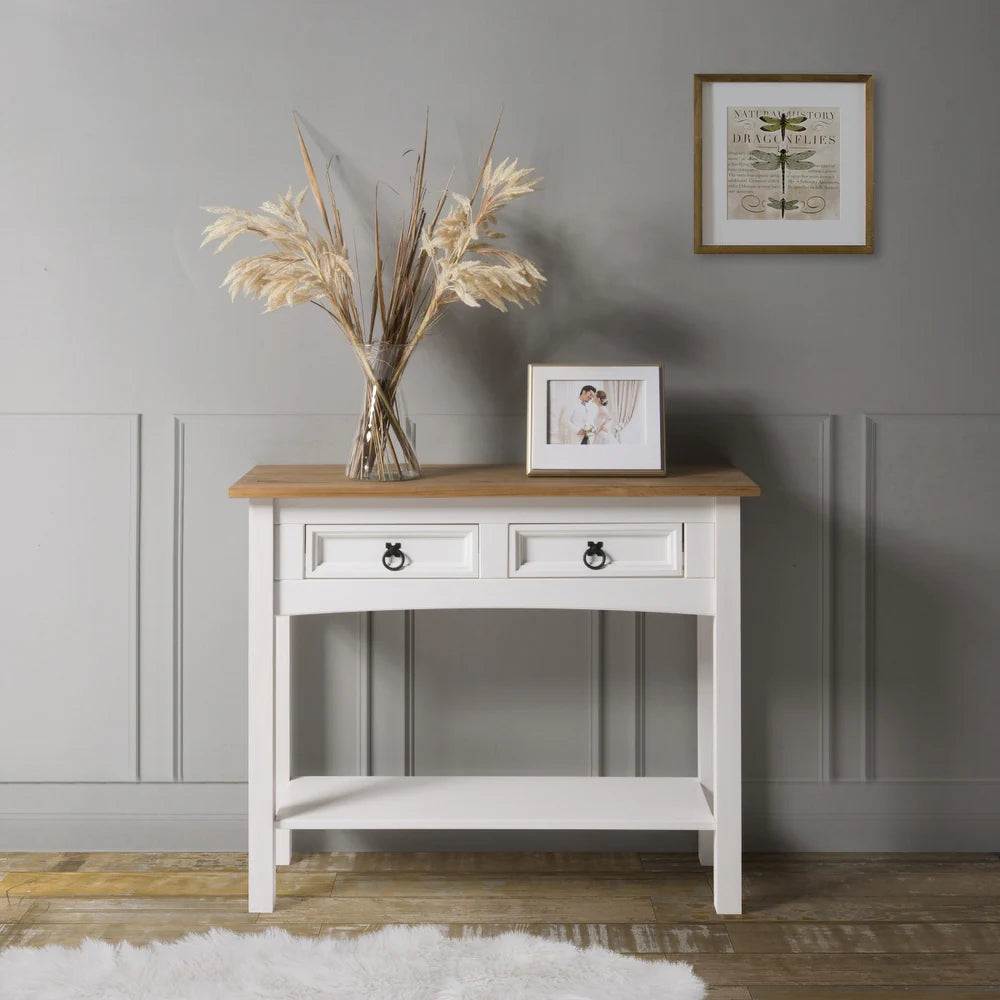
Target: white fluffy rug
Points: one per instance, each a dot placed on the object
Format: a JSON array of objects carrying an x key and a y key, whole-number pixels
[{"x": 396, "y": 963}]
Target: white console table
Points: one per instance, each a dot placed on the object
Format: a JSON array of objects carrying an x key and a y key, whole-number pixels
[{"x": 491, "y": 537}]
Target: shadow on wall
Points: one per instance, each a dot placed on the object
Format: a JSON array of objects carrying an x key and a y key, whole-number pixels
[
  {"x": 592, "y": 309},
  {"x": 779, "y": 670},
  {"x": 914, "y": 620},
  {"x": 585, "y": 316}
]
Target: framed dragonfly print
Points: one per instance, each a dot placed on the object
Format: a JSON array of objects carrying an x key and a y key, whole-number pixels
[{"x": 783, "y": 164}]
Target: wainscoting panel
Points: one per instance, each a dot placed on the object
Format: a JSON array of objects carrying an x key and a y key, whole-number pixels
[
  {"x": 391, "y": 694},
  {"x": 211, "y": 544},
  {"x": 69, "y": 523},
  {"x": 933, "y": 578},
  {"x": 666, "y": 702},
  {"x": 210, "y": 642},
  {"x": 329, "y": 694},
  {"x": 786, "y": 585},
  {"x": 502, "y": 692},
  {"x": 622, "y": 741}
]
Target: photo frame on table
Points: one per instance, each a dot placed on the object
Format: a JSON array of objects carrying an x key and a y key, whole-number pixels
[
  {"x": 595, "y": 420},
  {"x": 783, "y": 163}
]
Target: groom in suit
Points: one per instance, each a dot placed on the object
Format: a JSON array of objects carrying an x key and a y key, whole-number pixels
[{"x": 584, "y": 415}]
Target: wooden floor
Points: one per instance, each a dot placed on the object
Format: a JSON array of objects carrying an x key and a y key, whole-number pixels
[{"x": 823, "y": 927}]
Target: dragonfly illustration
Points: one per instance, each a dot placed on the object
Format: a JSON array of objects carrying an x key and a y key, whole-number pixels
[
  {"x": 786, "y": 205},
  {"x": 763, "y": 160},
  {"x": 793, "y": 124}
]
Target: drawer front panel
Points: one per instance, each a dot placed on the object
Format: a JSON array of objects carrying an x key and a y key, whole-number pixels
[
  {"x": 557, "y": 550},
  {"x": 357, "y": 551}
]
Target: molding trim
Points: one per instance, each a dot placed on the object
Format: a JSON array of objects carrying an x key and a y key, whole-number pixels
[
  {"x": 409, "y": 692},
  {"x": 826, "y": 609},
  {"x": 640, "y": 694},
  {"x": 135, "y": 514},
  {"x": 178, "y": 637},
  {"x": 868, "y": 615},
  {"x": 364, "y": 693},
  {"x": 596, "y": 693}
]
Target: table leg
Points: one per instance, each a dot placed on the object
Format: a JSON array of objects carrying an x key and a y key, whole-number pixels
[
  {"x": 260, "y": 673},
  {"x": 706, "y": 730},
  {"x": 282, "y": 730},
  {"x": 726, "y": 698}
]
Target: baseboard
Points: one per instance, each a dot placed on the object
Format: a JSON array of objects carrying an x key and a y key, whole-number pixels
[
  {"x": 881, "y": 815},
  {"x": 778, "y": 816},
  {"x": 121, "y": 832}
]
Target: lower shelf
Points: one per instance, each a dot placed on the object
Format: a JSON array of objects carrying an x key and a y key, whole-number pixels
[{"x": 495, "y": 803}]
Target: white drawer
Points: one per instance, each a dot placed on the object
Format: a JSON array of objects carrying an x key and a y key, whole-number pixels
[
  {"x": 558, "y": 550},
  {"x": 360, "y": 551}
]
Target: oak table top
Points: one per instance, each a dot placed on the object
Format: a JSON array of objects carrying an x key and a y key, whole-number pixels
[{"x": 457, "y": 481}]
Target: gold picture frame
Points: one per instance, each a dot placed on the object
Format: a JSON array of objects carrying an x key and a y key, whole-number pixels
[{"x": 720, "y": 226}]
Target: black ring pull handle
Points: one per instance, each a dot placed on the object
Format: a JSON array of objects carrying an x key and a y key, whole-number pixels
[
  {"x": 595, "y": 550},
  {"x": 393, "y": 551}
]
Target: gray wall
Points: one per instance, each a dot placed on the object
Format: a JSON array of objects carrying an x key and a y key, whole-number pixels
[{"x": 860, "y": 392}]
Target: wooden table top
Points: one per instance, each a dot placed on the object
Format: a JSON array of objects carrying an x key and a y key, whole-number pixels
[{"x": 457, "y": 481}]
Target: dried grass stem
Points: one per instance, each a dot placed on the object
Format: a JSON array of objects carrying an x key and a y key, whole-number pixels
[{"x": 449, "y": 258}]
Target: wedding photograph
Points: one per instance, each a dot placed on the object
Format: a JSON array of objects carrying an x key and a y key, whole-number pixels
[{"x": 595, "y": 412}]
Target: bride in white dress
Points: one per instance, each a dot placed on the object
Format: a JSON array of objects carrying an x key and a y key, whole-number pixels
[{"x": 602, "y": 427}]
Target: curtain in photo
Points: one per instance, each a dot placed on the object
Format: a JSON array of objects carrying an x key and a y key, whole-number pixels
[{"x": 623, "y": 397}]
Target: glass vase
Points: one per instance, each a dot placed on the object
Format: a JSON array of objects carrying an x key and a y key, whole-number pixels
[{"x": 384, "y": 447}]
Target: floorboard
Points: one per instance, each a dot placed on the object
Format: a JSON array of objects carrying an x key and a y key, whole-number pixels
[{"x": 816, "y": 926}]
